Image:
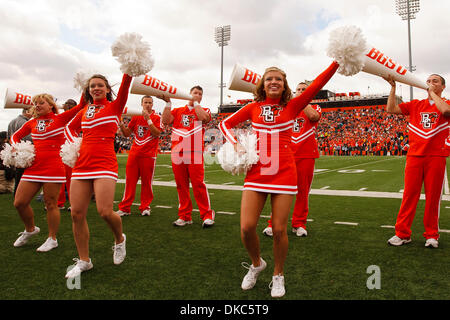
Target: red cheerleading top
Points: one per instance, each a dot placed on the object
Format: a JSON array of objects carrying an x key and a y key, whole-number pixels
[
  {"x": 304, "y": 142},
  {"x": 145, "y": 144},
  {"x": 187, "y": 130},
  {"x": 98, "y": 122},
  {"x": 273, "y": 124},
  {"x": 428, "y": 128},
  {"x": 47, "y": 133}
]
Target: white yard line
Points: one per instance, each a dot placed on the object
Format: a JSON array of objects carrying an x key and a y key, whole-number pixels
[
  {"x": 322, "y": 192},
  {"x": 347, "y": 223},
  {"x": 356, "y": 165}
]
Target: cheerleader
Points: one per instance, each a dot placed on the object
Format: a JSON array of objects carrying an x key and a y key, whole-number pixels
[
  {"x": 142, "y": 157},
  {"x": 47, "y": 170},
  {"x": 272, "y": 115},
  {"x": 96, "y": 169}
]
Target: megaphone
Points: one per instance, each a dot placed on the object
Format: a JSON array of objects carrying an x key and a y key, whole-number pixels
[
  {"x": 348, "y": 47},
  {"x": 379, "y": 64},
  {"x": 243, "y": 79},
  {"x": 17, "y": 100},
  {"x": 149, "y": 85},
  {"x": 127, "y": 111}
]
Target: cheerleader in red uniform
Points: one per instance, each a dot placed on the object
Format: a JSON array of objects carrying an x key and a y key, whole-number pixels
[
  {"x": 142, "y": 157},
  {"x": 47, "y": 169},
  {"x": 96, "y": 169},
  {"x": 272, "y": 115},
  {"x": 304, "y": 147}
]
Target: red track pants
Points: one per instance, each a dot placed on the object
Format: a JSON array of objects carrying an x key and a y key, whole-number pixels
[
  {"x": 143, "y": 167},
  {"x": 428, "y": 170},
  {"x": 194, "y": 172},
  {"x": 305, "y": 175}
]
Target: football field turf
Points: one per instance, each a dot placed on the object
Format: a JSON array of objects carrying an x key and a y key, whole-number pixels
[{"x": 353, "y": 206}]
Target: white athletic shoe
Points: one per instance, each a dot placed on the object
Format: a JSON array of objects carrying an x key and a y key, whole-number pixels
[
  {"x": 300, "y": 232},
  {"x": 207, "y": 223},
  {"x": 268, "y": 232},
  {"x": 277, "y": 286},
  {"x": 120, "y": 251},
  {"x": 78, "y": 268},
  {"x": 396, "y": 241},
  {"x": 25, "y": 236},
  {"x": 123, "y": 213},
  {"x": 250, "y": 278},
  {"x": 431, "y": 243},
  {"x": 146, "y": 212},
  {"x": 181, "y": 222},
  {"x": 48, "y": 245}
]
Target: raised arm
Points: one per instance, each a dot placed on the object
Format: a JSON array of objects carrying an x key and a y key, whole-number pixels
[
  {"x": 301, "y": 101},
  {"x": 122, "y": 95},
  {"x": 392, "y": 105}
]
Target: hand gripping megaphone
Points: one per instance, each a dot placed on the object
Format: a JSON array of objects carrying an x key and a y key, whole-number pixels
[
  {"x": 149, "y": 85},
  {"x": 349, "y": 48},
  {"x": 243, "y": 79}
]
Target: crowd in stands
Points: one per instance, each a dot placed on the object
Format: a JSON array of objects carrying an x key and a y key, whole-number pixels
[
  {"x": 363, "y": 131},
  {"x": 367, "y": 131}
]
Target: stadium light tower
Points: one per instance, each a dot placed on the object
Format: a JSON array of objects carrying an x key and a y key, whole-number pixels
[
  {"x": 407, "y": 10},
  {"x": 222, "y": 35}
]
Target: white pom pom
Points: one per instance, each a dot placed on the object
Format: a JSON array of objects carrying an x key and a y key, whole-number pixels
[
  {"x": 133, "y": 54},
  {"x": 79, "y": 81},
  {"x": 70, "y": 151},
  {"x": 236, "y": 163},
  {"x": 7, "y": 156},
  {"x": 24, "y": 154},
  {"x": 347, "y": 46}
]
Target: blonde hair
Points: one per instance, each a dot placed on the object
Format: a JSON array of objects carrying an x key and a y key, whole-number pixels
[
  {"x": 43, "y": 96},
  {"x": 260, "y": 94}
]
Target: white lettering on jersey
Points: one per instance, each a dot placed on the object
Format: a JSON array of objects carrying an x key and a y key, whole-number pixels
[{"x": 428, "y": 119}]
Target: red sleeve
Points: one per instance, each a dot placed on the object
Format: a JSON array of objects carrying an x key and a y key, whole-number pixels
[
  {"x": 24, "y": 130},
  {"x": 69, "y": 114},
  {"x": 157, "y": 122},
  {"x": 73, "y": 128},
  {"x": 239, "y": 116},
  {"x": 299, "y": 103},
  {"x": 122, "y": 95},
  {"x": 406, "y": 107},
  {"x": 132, "y": 124}
]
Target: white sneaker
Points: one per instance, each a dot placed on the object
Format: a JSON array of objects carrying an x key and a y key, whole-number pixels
[
  {"x": 268, "y": 232},
  {"x": 207, "y": 223},
  {"x": 48, "y": 245},
  {"x": 431, "y": 243},
  {"x": 250, "y": 278},
  {"x": 396, "y": 241},
  {"x": 79, "y": 267},
  {"x": 120, "y": 251},
  {"x": 25, "y": 236},
  {"x": 123, "y": 213},
  {"x": 277, "y": 286},
  {"x": 300, "y": 232},
  {"x": 146, "y": 212},
  {"x": 181, "y": 222}
]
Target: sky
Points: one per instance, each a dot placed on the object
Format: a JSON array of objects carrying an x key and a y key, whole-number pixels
[{"x": 44, "y": 43}]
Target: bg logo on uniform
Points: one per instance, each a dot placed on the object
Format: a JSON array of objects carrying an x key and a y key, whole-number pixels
[{"x": 428, "y": 119}]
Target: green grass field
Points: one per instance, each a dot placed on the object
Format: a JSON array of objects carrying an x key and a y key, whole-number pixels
[{"x": 168, "y": 263}]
